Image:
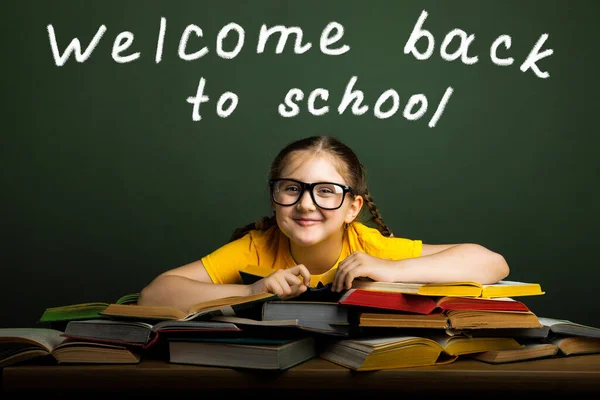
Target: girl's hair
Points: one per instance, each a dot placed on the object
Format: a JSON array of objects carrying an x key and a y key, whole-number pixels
[{"x": 348, "y": 165}]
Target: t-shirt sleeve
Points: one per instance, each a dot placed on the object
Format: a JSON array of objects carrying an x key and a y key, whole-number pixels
[
  {"x": 394, "y": 248},
  {"x": 223, "y": 264}
]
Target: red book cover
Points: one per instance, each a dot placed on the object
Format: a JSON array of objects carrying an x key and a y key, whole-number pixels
[
  {"x": 424, "y": 304},
  {"x": 390, "y": 301}
]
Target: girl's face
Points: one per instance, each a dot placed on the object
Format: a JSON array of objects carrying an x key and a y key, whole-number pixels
[{"x": 304, "y": 223}]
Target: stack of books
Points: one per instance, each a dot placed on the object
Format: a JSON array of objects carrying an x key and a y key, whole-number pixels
[
  {"x": 124, "y": 332},
  {"x": 372, "y": 326},
  {"x": 460, "y": 319}
]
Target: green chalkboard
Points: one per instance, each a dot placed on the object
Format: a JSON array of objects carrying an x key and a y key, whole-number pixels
[{"x": 108, "y": 179}]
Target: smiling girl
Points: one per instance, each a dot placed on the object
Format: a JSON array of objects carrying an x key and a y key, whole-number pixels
[{"x": 318, "y": 191}]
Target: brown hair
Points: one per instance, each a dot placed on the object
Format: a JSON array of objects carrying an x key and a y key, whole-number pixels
[{"x": 348, "y": 165}]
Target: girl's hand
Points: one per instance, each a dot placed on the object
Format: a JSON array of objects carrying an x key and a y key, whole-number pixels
[
  {"x": 286, "y": 283},
  {"x": 359, "y": 264}
]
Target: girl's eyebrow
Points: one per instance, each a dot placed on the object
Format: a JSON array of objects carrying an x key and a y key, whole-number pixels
[{"x": 317, "y": 181}]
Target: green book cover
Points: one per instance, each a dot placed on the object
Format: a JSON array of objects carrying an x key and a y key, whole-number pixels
[{"x": 82, "y": 311}]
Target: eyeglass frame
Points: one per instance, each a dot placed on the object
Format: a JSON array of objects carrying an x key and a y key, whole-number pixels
[{"x": 310, "y": 187}]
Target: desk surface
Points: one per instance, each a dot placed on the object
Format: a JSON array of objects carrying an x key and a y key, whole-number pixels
[{"x": 570, "y": 374}]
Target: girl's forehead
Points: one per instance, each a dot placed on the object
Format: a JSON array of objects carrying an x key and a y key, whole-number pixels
[{"x": 309, "y": 167}]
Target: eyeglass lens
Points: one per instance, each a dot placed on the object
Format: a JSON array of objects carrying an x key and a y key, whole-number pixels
[{"x": 325, "y": 195}]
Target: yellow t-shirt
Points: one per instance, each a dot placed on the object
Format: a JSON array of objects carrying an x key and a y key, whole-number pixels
[{"x": 270, "y": 251}]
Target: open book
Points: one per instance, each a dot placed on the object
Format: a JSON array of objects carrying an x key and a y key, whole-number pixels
[
  {"x": 459, "y": 345},
  {"x": 576, "y": 345},
  {"x": 529, "y": 351},
  {"x": 82, "y": 311},
  {"x": 139, "y": 333},
  {"x": 463, "y": 289},
  {"x": 223, "y": 306},
  {"x": 390, "y": 352},
  {"x": 426, "y": 304},
  {"x": 570, "y": 328},
  {"x": 23, "y": 344},
  {"x": 558, "y": 346},
  {"x": 550, "y": 328}
]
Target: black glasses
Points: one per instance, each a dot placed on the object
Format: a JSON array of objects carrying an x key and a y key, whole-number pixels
[{"x": 326, "y": 195}]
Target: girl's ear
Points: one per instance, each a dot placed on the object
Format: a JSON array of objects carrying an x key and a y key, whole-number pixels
[{"x": 354, "y": 209}]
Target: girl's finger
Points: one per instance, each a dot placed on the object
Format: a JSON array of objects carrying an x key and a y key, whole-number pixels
[
  {"x": 285, "y": 286},
  {"x": 274, "y": 287},
  {"x": 340, "y": 276},
  {"x": 301, "y": 270},
  {"x": 293, "y": 280}
]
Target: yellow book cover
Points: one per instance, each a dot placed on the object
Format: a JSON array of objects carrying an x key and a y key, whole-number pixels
[
  {"x": 463, "y": 289},
  {"x": 453, "y": 289},
  {"x": 511, "y": 289},
  {"x": 459, "y": 345},
  {"x": 370, "y": 354}
]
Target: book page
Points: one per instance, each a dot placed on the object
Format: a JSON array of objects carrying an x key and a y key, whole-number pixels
[
  {"x": 552, "y": 321},
  {"x": 394, "y": 287},
  {"x": 149, "y": 312},
  {"x": 560, "y": 326},
  {"x": 43, "y": 337},
  {"x": 230, "y": 301},
  {"x": 380, "y": 343}
]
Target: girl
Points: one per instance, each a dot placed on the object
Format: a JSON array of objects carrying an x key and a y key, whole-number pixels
[{"x": 318, "y": 190}]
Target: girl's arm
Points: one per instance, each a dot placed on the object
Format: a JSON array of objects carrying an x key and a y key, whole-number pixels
[
  {"x": 453, "y": 263},
  {"x": 190, "y": 284},
  {"x": 186, "y": 286},
  {"x": 437, "y": 264}
]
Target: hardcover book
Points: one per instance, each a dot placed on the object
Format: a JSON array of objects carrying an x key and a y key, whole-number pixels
[
  {"x": 247, "y": 353},
  {"x": 324, "y": 317}
]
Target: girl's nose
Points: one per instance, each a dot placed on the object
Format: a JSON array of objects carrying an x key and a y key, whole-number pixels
[{"x": 306, "y": 202}]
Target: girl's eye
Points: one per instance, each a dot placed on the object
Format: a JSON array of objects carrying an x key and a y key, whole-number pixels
[
  {"x": 327, "y": 190},
  {"x": 292, "y": 189}
]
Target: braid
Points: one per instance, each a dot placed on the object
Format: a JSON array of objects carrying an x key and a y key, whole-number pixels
[
  {"x": 261, "y": 225},
  {"x": 376, "y": 215}
]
